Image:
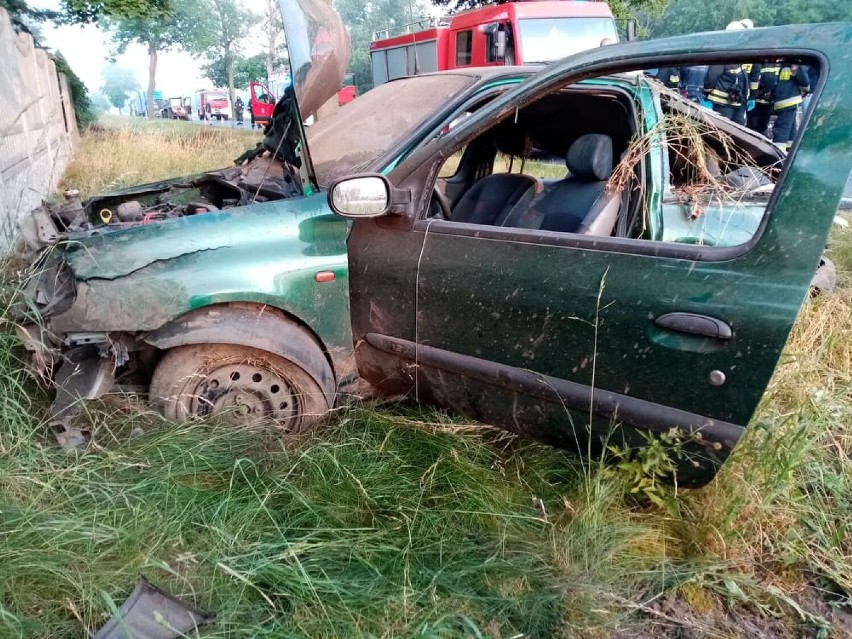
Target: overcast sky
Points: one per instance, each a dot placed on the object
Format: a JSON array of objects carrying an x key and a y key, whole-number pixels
[{"x": 87, "y": 50}]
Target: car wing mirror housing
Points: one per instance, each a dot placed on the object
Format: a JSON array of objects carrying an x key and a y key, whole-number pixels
[{"x": 367, "y": 195}]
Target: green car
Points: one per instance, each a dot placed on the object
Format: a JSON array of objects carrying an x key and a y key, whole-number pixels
[{"x": 574, "y": 253}]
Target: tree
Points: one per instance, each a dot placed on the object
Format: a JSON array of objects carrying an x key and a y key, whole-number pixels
[
  {"x": 187, "y": 26},
  {"x": 232, "y": 23},
  {"x": 25, "y": 18},
  {"x": 691, "y": 16},
  {"x": 101, "y": 103},
  {"x": 620, "y": 8},
  {"x": 363, "y": 19},
  {"x": 88, "y": 11},
  {"x": 245, "y": 70},
  {"x": 119, "y": 83},
  {"x": 273, "y": 30}
]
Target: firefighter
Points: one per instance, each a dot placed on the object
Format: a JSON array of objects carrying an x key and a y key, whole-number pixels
[
  {"x": 669, "y": 76},
  {"x": 813, "y": 79},
  {"x": 758, "y": 117},
  {"x": 727, "y": 89},
  {"x": 728, "y": 85},
  {"x": 752, "y": 72},
  {"x": 692, "y": 82},
  {"x": 238, "y": 110},
  {"x": 791, "y": 86}
]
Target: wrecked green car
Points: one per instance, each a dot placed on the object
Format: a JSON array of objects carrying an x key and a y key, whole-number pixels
[{"x": 574, "y": 253}]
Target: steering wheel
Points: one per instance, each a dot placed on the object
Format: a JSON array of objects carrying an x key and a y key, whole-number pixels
[{"x": 443, "y": 204}]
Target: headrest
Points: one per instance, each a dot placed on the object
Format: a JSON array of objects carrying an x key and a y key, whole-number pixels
[
  {"x": 590, "y": 157},
  {"x": 512, "y": 140}
]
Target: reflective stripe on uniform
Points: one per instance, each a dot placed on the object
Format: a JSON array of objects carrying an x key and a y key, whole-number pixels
[
  {"x": 787, "y": 103},
  {"x": 720, "y": 97}
]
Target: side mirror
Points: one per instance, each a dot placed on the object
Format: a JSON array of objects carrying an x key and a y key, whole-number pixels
[
  {"x": 361, "y": 196},
  {"x": 491, "y": 28},
  {"x": 500, "y": 45}
]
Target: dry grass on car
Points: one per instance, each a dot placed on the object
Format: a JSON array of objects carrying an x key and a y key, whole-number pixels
[{"x": 694, "y": 162}]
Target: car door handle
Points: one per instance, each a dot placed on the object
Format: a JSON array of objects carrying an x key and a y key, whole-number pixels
[{"x": 695, "y": 324}]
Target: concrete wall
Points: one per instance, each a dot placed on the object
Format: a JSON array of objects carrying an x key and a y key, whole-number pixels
[{"x": 38, "y": 130}]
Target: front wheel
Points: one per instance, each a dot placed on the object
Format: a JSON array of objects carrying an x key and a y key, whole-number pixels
[{"x": 241, "y": 384}]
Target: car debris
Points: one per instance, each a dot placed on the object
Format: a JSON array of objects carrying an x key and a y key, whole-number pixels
[{"x": 152, "y": 613}]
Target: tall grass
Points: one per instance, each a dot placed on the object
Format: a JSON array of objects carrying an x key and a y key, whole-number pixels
[
  {"x": 397, "y": 521},
  {"x": 121, "y": 152}
]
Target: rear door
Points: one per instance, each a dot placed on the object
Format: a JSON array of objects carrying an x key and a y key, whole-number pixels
[{"x": 559, "y": 335}]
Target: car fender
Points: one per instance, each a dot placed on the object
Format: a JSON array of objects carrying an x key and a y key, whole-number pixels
[{"x": 259, "y": 326}]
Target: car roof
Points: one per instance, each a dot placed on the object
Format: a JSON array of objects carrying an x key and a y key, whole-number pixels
[{"x": 484, "y": 73}]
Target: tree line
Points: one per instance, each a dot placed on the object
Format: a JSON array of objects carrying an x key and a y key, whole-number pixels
[{"x": 216, "y": 30}]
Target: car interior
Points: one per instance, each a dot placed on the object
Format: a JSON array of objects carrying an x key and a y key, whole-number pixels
[
  {"x": 581, "y": 130},
  {"x": 579, "y": 135}
]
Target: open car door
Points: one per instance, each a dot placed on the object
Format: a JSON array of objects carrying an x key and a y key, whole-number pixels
[
  {"x": 262, "y": 103},
  {"x": 584, "y": 338}
]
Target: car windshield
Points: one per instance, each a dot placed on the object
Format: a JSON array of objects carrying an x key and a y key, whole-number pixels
[
  {"x": 375, "y": 122},
  {"x": 549, "y": 39}
]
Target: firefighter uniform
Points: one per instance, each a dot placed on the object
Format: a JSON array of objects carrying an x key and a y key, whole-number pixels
[
  {"x": 752, "y": 73},
  {"x": 786, "y": 98},
  {"x": 669, "y": 76},
  {"x": 692, "y": 82},
  {"x": 758, "y": 117},
  {"x": 727, "y": 89}
]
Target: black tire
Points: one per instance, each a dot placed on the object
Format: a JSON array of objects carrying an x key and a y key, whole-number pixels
[{"x": 245, "y": 385}]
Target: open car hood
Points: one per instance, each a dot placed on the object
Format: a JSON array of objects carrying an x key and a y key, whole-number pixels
[{"x": 318, "y": 45}]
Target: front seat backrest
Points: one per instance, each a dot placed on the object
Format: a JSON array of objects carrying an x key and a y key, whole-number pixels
[
  {"x": 578, "y": 203},
  {"x": 491, "y": 197}
]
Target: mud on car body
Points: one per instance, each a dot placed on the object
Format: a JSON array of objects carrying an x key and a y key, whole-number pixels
[
  {"x": 228, "y": 287},
  {"x": 640, "y": 306}
]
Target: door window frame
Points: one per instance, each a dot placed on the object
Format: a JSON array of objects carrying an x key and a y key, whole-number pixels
[{"x": 426, "y": 163}]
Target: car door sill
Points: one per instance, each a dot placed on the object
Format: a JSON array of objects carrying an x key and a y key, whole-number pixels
[{"x": 639, "y": 413}]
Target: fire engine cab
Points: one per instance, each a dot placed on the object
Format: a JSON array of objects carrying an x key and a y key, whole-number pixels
[{"x": 512, "y": 33}]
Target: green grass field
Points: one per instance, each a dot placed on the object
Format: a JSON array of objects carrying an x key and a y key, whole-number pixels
[{"x": 398, "y": 521}]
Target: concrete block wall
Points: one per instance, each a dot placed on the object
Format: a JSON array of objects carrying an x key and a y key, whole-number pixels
[{"x": 38, "y": 130}]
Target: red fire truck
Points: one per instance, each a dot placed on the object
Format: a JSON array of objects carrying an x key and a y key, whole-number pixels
[
  {"x": 513, "y": 33},
  {"x": 211, "y": 103}
]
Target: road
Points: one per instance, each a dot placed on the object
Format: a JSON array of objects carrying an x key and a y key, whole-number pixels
[{"x": 230, "y": 124}]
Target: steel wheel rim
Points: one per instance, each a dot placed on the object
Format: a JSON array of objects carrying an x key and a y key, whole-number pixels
[{"x": 245, "y": 393}]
